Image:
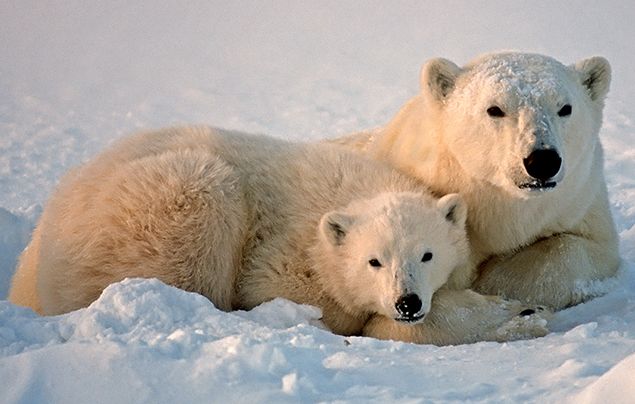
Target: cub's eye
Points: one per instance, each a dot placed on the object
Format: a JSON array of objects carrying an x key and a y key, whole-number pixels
[
  {"x": 374, "y": 263},
  {"x": 495, "y": 112},
  {"x": 426, "y": 257},
  {"x": 565, "y": 110}
]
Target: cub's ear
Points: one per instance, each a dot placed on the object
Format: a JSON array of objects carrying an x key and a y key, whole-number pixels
[
  {"x": 438, "y": 77},
  {"x": 453, "y": 208},
  {"x": 334, "y": 226},
  {"x": 595, "y": 74}
]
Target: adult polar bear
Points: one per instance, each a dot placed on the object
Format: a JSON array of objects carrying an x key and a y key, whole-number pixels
[
  {"x": 244, "y": 219},
  {"x": 517, "y": 135}
]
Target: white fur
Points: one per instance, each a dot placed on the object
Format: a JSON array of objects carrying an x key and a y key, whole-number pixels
[
  {"x": 244, "y": 219},
  {"x": 537, "y": 245},
  {"x": 395, "y": 230}
]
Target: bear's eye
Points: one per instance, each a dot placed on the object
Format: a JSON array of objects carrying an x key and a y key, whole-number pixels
[
  {"x": 565, "y": 110},
  {"x": 426, "y": 257},
  {"x": 495, "y": 112},
  {"x": 374, "y": 263}
]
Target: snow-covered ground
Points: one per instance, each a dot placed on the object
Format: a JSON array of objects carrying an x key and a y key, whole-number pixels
[{"x": 76, "y": 75}]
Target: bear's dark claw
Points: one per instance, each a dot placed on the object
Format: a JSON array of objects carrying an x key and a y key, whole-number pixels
[{"x": 527, "y": 312}]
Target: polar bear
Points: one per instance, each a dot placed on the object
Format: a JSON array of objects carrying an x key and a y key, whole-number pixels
[
  {"x": 244, "y": 219},
  {"x": 517, "y": 135}
]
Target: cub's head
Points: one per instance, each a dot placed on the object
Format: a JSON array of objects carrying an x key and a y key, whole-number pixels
[
  {"x": 391, "y": 253},
  {"x": 523, "y": 122}
]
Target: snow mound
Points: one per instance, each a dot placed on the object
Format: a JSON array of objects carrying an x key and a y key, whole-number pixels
[
  {"x": 615, "y": 386},
  {"x": 154, "y": 332},
  {"x": 168, "y": 320}
]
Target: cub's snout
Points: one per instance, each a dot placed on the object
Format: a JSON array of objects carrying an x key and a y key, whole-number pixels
[{"x": 409, "y": 308}]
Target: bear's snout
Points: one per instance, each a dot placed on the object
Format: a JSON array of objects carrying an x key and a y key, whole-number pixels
[
  {"x": 408, "y": 306},
  {"x": 543, "y": 164}
]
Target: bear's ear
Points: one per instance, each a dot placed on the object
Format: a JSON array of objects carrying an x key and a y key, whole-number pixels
[
  {"x": 595, "y": 74},
  {"x": 438, "y": 77},
  {"x": 334, "y": 227},
  {"x": 453, "y": 209}
]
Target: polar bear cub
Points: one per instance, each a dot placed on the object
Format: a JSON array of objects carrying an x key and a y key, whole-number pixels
[
  {"x": 242, "y": 220},
  {"x": 391, "y": 253}
]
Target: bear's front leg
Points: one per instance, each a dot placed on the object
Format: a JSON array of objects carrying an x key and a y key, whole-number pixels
[
  {"x": 463, "y": 317},
  {"x": 558, "y": 271}
]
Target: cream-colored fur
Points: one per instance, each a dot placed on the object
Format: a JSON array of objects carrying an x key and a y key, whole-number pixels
[
  {"x": 244, "y": 219},
  {"x": 464, "y": 316},
  {"x": 540, "y": 241}
]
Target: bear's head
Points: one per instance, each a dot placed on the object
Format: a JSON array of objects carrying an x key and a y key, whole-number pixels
[
  {"x": 522, "y": 122},
  {"x": 389, "y": 254}
]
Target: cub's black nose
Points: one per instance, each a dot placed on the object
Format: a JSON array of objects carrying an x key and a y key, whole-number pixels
[
  {"x": 543, "y": 164},
  {"x": 408, "y": 305}
]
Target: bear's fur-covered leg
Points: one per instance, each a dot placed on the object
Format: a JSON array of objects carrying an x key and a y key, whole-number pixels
[
  {"x": 23, "y": 290},
  {"x": 177, "y": 216},
  {"x": 462, "y": 317},
  {"x": 558, "y": 271}
]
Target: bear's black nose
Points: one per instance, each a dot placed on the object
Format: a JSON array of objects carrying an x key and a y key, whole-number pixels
[
  {"x": 543, "y": 164},
  {"x": 408, "y": 305}
]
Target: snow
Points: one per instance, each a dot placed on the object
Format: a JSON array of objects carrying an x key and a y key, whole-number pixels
[
  {"x": 615, "y": 386},
  {"x": 75, "y": 76}
]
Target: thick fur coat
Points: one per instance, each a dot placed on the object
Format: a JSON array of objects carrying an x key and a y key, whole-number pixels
[
  {"x": 244, "y": 219},
  {"x": 516, "y": 135}
]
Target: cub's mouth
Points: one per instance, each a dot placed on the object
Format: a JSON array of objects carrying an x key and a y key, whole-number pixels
[
  {"x": 411, "y": 319},
  {"x": 538, "y": 185}
]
